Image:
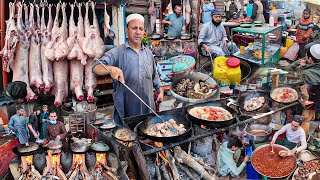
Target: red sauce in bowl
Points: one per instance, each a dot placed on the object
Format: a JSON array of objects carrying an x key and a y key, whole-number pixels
[{"x": 272, "y": 165}]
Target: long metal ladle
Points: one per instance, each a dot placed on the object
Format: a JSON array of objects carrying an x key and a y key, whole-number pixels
[{"x": 134, "y": 94}]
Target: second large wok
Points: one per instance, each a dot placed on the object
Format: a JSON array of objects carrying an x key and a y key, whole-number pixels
[
  {"x": 151, "y": 121},
  {"x": 212, "y": 124}
]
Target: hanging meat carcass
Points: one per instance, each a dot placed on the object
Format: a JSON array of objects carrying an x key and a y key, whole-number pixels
[
  {"x": 153, "y": 15},
  {"x": 45, "y": 62},
  {"x": 35, "y": 72},
  {"x": 76, "y": 55},
  {"x": 76, "y": 37},
  {"x": 90, "y": 80},
  {"x": 19, "y": 65},
  {"x": 93, "y": 45},
  {"x": 188, "y": 12},
  {"x": 169, "y": 9},
  {"x": 60, "y": 68},
  {"x": 57, "y": 48},
  {"x": 11, "y": 40},
  {"x": 106, "y": 24}
]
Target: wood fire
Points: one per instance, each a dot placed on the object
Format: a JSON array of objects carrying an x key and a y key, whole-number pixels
[
  {"x": 28, "y": 170},
  {"x": 103, "y": 171},
  {"x": 79, "y": 167},
  {"x": 53, "y": 164}
]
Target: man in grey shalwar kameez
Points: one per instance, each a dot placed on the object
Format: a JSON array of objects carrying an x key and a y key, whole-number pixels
[
  {"x": 18, "y": 125},
  {"x": 133, "y": 64},
  {"x": 213, "y": 37}
]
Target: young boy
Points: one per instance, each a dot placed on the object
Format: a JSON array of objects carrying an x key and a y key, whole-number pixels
[
  {"x": 304, "y": 30},
  {"x": 228, "y": 156},
  {"x": 18, "y": 125}
]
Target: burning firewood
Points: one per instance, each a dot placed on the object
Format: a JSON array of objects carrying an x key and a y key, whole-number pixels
[
  {"x": 182, "y": 157},
  {"x": 172, "y": 166}
]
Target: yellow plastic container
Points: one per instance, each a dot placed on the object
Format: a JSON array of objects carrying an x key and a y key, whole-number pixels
[
  {"x": 283, "y": 50},
  {"x": 223, "y": 74},
  {"x": 289, "y": 43}
]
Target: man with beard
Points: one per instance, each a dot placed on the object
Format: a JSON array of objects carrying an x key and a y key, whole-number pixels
[
  {"x": 213, "y": 38},
  {"x": 131, "y": 63},
  {"x": 175, "y": 22}
]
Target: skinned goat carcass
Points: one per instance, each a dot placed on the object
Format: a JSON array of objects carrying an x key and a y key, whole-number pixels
[
  {"x": 76, "y": 38},
  {"x": 106, "y": 25},
  {"x": 169, "y": 9},
  {"x": 188, "y": 12},
  {"x": 19, "y": 65},
  {"x": 93, "y": 45},
  {"x": 76, "y": 79},
  {"x": 90, "y": 80},
  {"x": 46, "y": 64},
  {"x": 76, "y": 54},
  {"x": 35, "y": 72},
  {"x": 60, "y": 69},
  {"x": 11, "y": 40},
  {"x": 57, "y": 48},
  {"x": 153, "y": 15}
]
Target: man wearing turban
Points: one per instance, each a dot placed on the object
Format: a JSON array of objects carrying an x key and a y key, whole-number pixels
[
  {"x": 131, "y": 63},
  {"x": 213, "y": 37}
]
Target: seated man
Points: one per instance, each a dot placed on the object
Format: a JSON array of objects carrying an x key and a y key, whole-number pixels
[
  {"x": 213, "y": 37},
  {"x": 55, "y": 129},
  {"x": 294, "y": 135},
  {"x": 228, "y": 156}
]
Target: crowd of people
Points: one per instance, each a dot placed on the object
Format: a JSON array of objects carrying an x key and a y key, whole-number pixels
[{"x": 42, "y": 125}]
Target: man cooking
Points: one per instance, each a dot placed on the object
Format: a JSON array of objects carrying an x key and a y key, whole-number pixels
[
  {"x": 175, "y": 22},
  {"x": 131, "y": 63},
  {"x": 294, "y": 135},
  {"x": 55, "y": 129},
  {"x": 213, "y": 38}
]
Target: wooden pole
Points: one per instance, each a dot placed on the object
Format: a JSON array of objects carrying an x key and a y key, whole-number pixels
[{"x": 197, "y": 31}]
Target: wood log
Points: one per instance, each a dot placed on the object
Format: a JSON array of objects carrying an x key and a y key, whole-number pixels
[
  {"x": 165, "y": 172},
  {"x": 182, "y": 157},
  {"x": 74, "y": 174},
  {"x": 173, "y": 167},
  {"x": 208, "y": 168},
  {"x": 113, "y": 170},
  {"x": 158, "y": 172},
  {"x": 35, "y": 172},
  {"x": 60, "y": 174},
  {"x": 112, "y": 175},
  {"x": 186, "y": 170}
]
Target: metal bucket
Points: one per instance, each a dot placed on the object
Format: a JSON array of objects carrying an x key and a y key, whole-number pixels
[{"x": 258, "y": 127}]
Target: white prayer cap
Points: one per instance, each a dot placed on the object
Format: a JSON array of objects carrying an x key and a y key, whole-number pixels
[
  {"x": 315, "y": 52},
  {"x": 135, "y": 16}
]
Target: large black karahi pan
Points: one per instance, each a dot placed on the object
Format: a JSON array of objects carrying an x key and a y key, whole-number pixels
[
  {"x": 212, "y": 124},
  {"x": 249, "y": 95},
  {"x": 286, "y": 86},
  {"x": 151, "y": 121}
]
